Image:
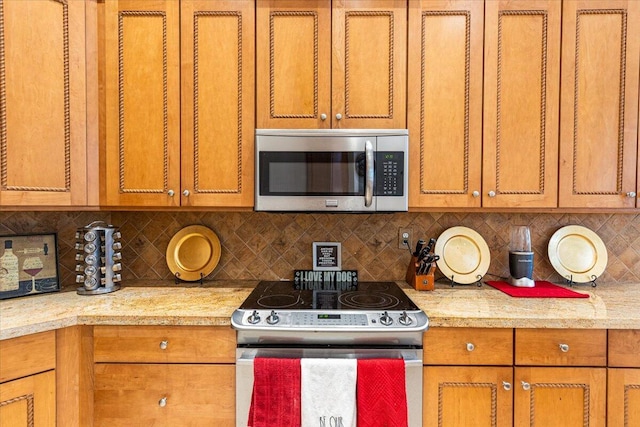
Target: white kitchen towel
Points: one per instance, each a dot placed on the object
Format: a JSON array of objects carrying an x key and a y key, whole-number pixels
[{"x": 328, "y": 392}]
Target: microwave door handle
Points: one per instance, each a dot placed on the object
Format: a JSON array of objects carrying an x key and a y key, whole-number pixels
[{"x": 368, "y": 186}]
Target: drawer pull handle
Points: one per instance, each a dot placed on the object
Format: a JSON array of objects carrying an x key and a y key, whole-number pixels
[
  {"x": 162, "y": 402},
  {"x": 525, "y": 385},
  {"x": 470, "y": 346},
  {"x": 164, "y": 344},
  {"x": 506, "y": 385},
  {"x": 564, "y": 348}
]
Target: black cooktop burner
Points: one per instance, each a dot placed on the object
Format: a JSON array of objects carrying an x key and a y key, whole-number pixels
[{"x": 368, "y": 296}]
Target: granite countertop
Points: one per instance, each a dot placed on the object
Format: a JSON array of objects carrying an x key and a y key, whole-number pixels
[{"x": 614, "y": 306}]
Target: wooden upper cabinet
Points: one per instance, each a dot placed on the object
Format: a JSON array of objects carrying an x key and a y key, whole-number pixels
[
  {"x": 142, "y": 101},
  {"x": 445, "y": 102},
  {"x": 179, "y": 103},
  {"x": 323, "y": 64},
  {"x": 521, "y": 103},
  {"x": 218, "y": 103},
  {"x": 599, "y": 128},
  {"x": 42, "y": 103}
]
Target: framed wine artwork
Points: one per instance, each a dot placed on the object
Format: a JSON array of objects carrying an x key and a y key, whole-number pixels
[{"x": 28, "y": 265}]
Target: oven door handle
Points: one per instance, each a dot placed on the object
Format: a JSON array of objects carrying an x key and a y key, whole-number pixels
[{"x": 369, "y": 173}]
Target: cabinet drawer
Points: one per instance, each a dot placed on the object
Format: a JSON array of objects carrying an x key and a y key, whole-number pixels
[
  {"x": 468, "y": 346},
  {"x": 27, "y": 355},
  {"x": 624, "y": 348},
  {"x": 164, "y": 395},
  {"x": 164, "y": 344},
  {"x": 562, "y": 347}
]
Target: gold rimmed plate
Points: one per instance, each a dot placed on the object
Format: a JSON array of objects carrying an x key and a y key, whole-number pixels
[
  {"x": 464, "y": 255},
  {"x": 577, "y": 253},
  {"x": 193, "y": 253}
]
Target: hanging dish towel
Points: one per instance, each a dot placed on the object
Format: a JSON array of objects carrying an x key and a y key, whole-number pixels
[
  {"x": 382, "y": 394},
  {"x": 328, "y": 389},
  {"x": 276, "y": 393}
]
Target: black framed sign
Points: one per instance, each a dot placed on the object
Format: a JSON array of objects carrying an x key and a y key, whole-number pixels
[
  {"x": 327, "y": 256},
  {"x": 28, "y": 265}
]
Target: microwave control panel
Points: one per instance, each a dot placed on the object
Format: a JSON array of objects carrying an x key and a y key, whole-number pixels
[{"x": 389, "y": 173}]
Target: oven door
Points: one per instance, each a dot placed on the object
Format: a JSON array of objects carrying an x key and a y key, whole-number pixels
[{"x": 413, "y": 373}]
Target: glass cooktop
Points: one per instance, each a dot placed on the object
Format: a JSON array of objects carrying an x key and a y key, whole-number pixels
[{"x": 367, "y": 296}]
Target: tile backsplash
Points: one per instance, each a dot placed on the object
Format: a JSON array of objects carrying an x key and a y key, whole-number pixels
[{"x": 270, "y": 246}]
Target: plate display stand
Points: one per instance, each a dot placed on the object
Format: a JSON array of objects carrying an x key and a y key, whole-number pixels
[
  {"x": 453, "y": 282},
  {"x": 178, "y": 280},
  {"x": 570, "y": 281}
]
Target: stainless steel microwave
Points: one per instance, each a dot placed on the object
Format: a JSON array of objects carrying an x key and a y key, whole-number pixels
[{"x": 336, "y": 170}]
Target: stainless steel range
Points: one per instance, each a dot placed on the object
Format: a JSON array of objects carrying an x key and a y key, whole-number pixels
[{"x": 376, "y": 320}]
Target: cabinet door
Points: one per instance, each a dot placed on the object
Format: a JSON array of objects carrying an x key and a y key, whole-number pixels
[
  {"x": 29, "y": 401},
  {"x": 560, "y": 396},
  {"x": 42, "y": 103},
  {"x": 293, "y": 63},
  {"x": 217, "y": 102},
  {"x": 445, "y": 102},
  {"x": 467, "y": 396},
  {"x": 142, "y": 103},
  {"x": 599, "y": 129},
  {"x": 623, "y": 397},
  {"x": 521, "y": 102},
  {"x": 368, "y": 63},
  {"x": 164, "y": 395}
]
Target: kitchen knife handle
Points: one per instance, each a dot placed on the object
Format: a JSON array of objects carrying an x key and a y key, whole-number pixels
[
  {"x": 368, "y": 186},
  {"x": 419, "y": 246}
]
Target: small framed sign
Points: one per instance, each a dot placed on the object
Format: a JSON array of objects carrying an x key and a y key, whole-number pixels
[
  {"x": 28, "y": 265},
  {"x": 327, "y": 256}
]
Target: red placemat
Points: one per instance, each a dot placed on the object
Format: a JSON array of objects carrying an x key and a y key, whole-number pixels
[{"x": 543, "y": 289}]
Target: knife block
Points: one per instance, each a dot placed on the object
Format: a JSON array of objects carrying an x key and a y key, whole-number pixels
[{"x": 420, "y": 282}]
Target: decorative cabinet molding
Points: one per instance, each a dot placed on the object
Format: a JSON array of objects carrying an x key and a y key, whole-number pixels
[
  {"x": 181, "y": 108},
  {"x": 599, "y": 128},
  {"x": 43, "y": 124},
  {"x": 323, "y": 64},
  {"x": 445, "y": 102},
  {"x": 29, "y": 401},
  {"x": 521, "y": 98}
]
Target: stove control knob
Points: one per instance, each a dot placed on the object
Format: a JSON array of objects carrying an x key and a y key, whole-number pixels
[
  {"x": 386, "y": 320},
  {"x": 253, "y": 318},
  {"x": 273, "y": 318},
  {"x": 404, "y": 319}
]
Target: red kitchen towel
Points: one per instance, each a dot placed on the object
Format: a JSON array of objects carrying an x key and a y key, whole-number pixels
[
  {"x": 381, "y": 393},
  {"x": 543, "y": 289},
  {"x": 276, "y": 393}
]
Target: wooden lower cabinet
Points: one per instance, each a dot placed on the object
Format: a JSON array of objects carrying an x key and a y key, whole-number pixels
[
  {"x": 29, "y": 401},
  {"x": 467, "y": 396},
  {"x": 164, "y": 395},
  {"x": 623, "y": 396},
  {"x": 560, "y": 396}
]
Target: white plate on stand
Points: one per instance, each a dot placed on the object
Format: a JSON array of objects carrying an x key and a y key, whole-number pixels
[
  {"x": 577, "y": 254},
  {"x": 464, "y": 255}
]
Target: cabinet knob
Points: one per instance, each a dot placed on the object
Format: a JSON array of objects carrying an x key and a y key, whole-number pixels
[
  {"x": 631, "y": 194},
  {"x": 525, "y": 385},
  {"x": 323, "y": 117},
  {"x": 338, "y": 116},
  {"x": 476, "y": 193},
  {"x": 506, "y": 385},
  {"x": 492, "y": 193},
  {"x": 470, "y": 346},
  {"x": 186, "y": 193},
  {"x": 164, "y": 344},
  {"x": 162, "y": 402},
  {"x": 170, "y": 193},
  {"x": 564, "y": 348}
]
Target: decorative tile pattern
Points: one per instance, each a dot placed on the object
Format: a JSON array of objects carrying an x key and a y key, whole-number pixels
[{"x": 267, "y": 246}]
